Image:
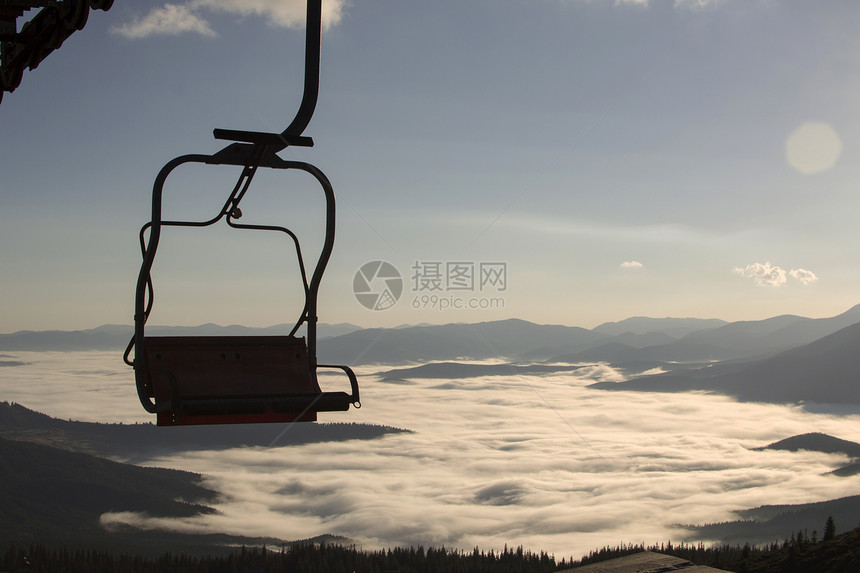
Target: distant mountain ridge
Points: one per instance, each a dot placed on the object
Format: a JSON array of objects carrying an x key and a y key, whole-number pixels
[
  {"x": 774, "y": 334},
  {"x": 418, "y": 344},
  {"x": 519, "y": 339},
  {"x": 673, "y": 327},
  {"x": 116, "y": 336},
  {"x": 824, "y": 371},
  {"x": 637, "y": 339}
]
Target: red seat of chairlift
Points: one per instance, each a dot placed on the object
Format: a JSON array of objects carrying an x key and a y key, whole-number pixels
[{"x": 235, "y": 379}]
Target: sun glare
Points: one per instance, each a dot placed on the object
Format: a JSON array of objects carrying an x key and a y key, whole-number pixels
[{"x": 813, "y": 147}]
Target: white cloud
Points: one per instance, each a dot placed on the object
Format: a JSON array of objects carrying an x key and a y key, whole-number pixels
[
  {"x": 285, "y": 13},
  {"x": 697, "y": 4},
  {"x": 763, "y": 274},
  {"x": 631, "y": 265},
  {"x": 478, "y": 470},
  {"x": 169, "y": 20},
  {"x": 686, "y": 4},
  {"x": 804, "y": 276},
  {"x": 173, "y": 19}
]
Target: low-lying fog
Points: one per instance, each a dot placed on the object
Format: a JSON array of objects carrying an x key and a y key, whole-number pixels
[{"x": 538, "y": 461}]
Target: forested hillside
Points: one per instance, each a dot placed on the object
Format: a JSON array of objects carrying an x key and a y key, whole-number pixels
[
  {"x": 800, "y": 554},
  {"x": 140, "y": 441}
]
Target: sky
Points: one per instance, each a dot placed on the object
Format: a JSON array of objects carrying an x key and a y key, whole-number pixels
[
  {"x": 561, "y": 161},
  {"x": 537, "y": 461}
]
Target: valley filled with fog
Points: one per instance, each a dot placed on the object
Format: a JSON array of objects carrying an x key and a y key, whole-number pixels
[{"x": 540, "y": 461}]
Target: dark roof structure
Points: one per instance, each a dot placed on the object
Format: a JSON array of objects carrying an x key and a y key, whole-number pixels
[{"x": 45, "y": 32}]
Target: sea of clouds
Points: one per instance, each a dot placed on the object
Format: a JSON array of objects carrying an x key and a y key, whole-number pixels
[{"x": 537, "y": 461}]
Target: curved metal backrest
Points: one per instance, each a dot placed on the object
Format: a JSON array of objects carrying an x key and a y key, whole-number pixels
[{"x": 236, "y": 154}]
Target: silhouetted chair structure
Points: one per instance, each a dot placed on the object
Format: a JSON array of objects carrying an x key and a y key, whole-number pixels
[{"x": 240, "y": 379}]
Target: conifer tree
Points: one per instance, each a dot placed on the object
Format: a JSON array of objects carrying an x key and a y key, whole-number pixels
[{"x": 829, "y": 529}]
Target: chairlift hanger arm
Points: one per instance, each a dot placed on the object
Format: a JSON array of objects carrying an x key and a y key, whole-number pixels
[{"x": 292, "y": 135}]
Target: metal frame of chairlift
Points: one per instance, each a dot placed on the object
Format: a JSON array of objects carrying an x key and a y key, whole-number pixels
[{"x": 240, "y": 379}]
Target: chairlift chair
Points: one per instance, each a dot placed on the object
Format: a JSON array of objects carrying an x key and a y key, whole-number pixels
[{"x": 188, "y": 380}]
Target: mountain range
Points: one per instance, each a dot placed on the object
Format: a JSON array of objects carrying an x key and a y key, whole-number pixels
[
  {"x": 633, "y": 339},
  {"x": 116, "y": 336},
  {"x": 636, "y": 339},
  {"x": 824, "y": 371},
  {"x": 784, "y": 359}
]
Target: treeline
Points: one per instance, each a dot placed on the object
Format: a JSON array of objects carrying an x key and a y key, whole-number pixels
[
  {"x": 299, "y": 558},
  {"x": 800, "y": 553}
]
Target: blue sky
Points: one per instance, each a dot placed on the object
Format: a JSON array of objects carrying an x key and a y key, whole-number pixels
[{"x": 659, "y": 158}]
